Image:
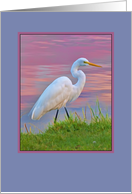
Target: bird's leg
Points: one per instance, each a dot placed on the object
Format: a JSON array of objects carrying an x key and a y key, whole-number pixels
[
  {"x": 67, "y": 112},
  {"x": 56, "y": 116}
]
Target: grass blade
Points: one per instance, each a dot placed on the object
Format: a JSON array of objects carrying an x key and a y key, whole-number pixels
[
  {"x": 83, "y": 113},
  {"x": 26, "y": 127},
  {"x": 90, "y": 111},
  {"x": 35, "y": 127},
  {"x": 78, "y": 116}
]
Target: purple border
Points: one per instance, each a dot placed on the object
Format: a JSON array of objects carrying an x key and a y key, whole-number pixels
[{"x": 61, "y": 33}]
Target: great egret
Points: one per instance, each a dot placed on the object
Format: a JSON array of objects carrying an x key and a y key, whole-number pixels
[{"x": 60, "y": 91}]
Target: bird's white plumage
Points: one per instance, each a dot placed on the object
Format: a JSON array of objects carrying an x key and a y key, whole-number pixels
[
  {"x": 52, "y": 97},
  {"x": 60, "y": 91}
]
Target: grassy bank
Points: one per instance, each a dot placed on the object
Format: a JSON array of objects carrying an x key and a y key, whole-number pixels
[{"x": 72, "y": 134}]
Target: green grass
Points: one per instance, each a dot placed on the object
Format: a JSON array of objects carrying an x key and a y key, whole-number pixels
[{"x": 75, "y": 133}]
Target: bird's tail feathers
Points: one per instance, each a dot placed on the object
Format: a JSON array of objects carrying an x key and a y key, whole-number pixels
[{"x": 37, "y": 113}]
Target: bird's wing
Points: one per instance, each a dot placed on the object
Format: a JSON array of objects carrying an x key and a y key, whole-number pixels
[{"x": 53, "y": 97}]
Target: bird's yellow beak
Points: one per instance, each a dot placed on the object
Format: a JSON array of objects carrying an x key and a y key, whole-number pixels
[{"x": 92, "y": 64}]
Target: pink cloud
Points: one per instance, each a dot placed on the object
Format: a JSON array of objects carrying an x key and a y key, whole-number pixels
[
  {"x": 44, "y": 42},
  {"x": 59, "y": 40}
]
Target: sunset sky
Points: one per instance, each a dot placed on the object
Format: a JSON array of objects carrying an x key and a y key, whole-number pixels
[{"x": 47, "y": 57}]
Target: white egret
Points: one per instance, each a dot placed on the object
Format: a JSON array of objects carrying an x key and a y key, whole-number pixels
[{"x": 61, "y": 91}]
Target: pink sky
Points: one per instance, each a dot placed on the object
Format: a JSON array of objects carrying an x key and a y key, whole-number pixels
[{"x": 46, "y": 57}]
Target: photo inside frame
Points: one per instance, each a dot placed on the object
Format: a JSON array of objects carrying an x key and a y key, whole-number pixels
[{"x": 43, "y": 59}]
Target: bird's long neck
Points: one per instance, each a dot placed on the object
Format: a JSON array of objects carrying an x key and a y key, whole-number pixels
[{"x": 79, "y": 75}]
